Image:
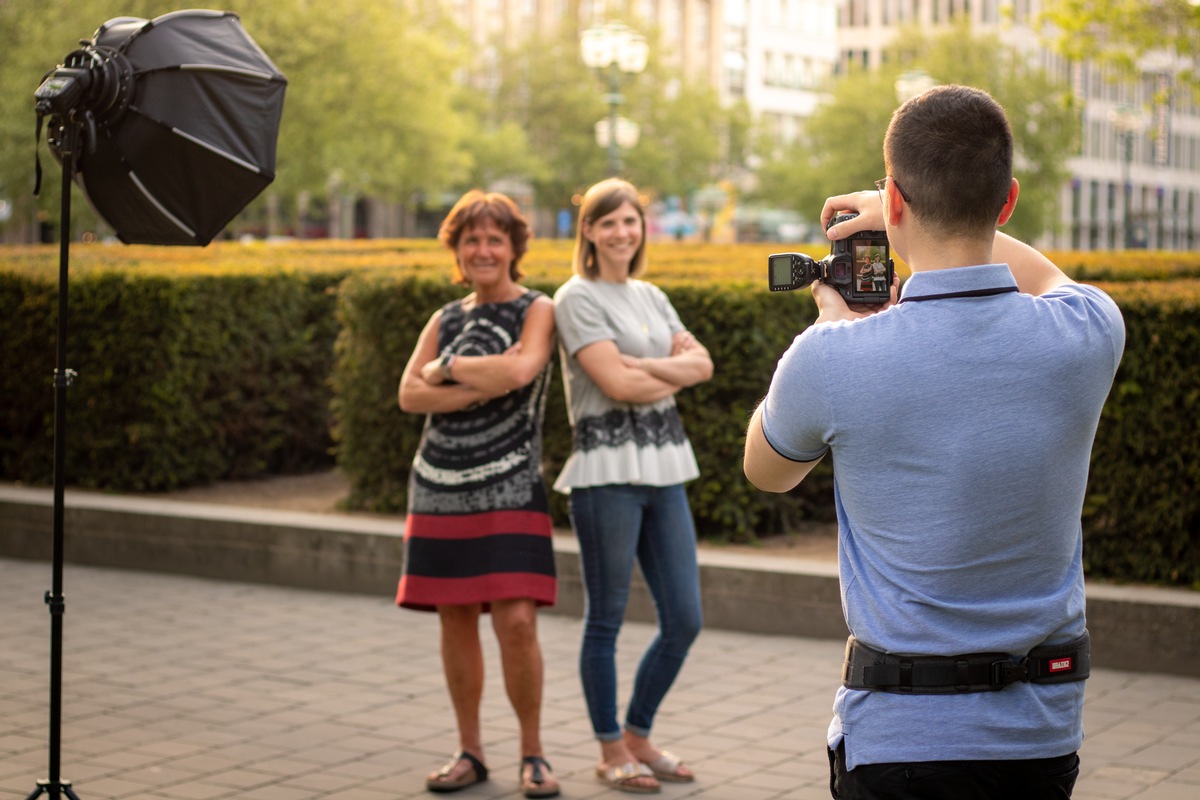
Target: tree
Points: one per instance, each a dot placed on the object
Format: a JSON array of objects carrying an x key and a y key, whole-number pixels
[
  {"x": 1121, "y": 34},
  {"x": 370, "y": 107},
  {"x": 496, "y": 149},
  {"x": 35, "y": 36},
  {"x": 841, "y": 148},
  {"x": 545, "y": 89},
  {"x": 685, "y": 135}
]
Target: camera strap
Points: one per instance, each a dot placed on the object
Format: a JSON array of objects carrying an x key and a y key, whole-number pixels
[
  {"x": 871, "y": 669},
  {"x": 952, "y": 295}
]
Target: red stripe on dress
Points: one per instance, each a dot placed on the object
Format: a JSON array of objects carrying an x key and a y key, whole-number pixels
[
  {"x": 422, "y": 592},
  {"x": 471, "y": 526}
]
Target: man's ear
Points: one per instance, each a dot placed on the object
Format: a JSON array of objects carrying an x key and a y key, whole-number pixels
[
  {"x": 1010, "y": 204},
  {"x": 894, "y": 204}
]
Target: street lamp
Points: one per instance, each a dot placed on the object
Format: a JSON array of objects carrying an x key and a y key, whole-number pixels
[
  {"x": 1127, "y": 122},
  {"x": 614, "y": 50}
]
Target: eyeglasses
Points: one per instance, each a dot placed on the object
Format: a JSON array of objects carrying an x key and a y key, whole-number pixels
[{"x": 882, "y": 182}]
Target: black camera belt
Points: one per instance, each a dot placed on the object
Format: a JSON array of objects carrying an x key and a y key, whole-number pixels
[{"x": 868, "y": 668}]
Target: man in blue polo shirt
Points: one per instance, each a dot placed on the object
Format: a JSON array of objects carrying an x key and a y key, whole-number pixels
[{"x": 960, "y": 420}]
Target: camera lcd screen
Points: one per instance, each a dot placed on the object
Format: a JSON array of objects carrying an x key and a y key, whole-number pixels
[
  {"x": 780, "y": 270},
  {"x": 870, "y": 266}
]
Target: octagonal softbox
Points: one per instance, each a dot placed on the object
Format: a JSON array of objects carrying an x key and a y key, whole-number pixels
[{"x": 191, "y": 140}]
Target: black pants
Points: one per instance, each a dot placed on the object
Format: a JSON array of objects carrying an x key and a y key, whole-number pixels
[{"x": 1030, "y": 779}]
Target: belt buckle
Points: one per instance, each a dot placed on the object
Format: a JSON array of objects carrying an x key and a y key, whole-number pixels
[{"x": 1005, "y": 672}]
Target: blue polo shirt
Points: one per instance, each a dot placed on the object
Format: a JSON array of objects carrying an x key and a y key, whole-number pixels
[{"x": 960, "y": 424}]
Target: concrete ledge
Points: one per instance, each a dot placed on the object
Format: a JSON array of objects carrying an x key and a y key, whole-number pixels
[{"x": 1133, "y": 628}]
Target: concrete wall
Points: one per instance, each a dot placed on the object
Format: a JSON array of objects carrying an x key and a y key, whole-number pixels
[{"x": 1133, "y": 628}]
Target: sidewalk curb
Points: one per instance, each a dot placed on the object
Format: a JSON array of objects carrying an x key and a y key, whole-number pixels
[{"x": 1141, "y": 629}]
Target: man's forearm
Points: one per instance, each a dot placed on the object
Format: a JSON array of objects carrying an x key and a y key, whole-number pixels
[{"x": 1035, "y": 273}]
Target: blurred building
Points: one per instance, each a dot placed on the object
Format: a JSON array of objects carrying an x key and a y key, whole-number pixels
[{"x": 1134, "y": 183}]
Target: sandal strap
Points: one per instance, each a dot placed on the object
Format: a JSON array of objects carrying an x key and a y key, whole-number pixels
[
  {"x": 666, "y": 762},
  {"x": 481, "y": 772},
  {"x": 537, "y": 762},
  {"x": 629, "y": 771}
]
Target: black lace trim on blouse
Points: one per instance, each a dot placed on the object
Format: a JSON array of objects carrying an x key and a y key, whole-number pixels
[{"x": 654, "y": 428}]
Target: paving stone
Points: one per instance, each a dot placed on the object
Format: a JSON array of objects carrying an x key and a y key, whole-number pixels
[{"x": 182, "y": 688}]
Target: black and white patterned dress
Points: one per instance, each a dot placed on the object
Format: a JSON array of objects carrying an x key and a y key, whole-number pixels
[{"x": 478, "y": 527}]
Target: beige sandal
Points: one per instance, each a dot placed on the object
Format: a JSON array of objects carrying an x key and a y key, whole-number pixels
[
  {"x": 666, "y": 768},
  {"x": 621, "y": 778}
]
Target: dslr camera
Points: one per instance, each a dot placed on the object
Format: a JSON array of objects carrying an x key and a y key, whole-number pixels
[{"x": 860, "y": 267}]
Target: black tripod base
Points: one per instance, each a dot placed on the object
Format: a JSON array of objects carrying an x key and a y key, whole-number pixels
[{"x": 53, "y": 790}]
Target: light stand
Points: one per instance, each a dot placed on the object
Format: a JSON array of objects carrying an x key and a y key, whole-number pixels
[
  {"x": 67, "y": 96},
  {"x": 53, "y": 786}
]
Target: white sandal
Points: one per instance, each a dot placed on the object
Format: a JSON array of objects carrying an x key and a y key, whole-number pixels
[{"x": 666, "y": 768}]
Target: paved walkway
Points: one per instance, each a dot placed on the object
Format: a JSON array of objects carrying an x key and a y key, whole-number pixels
[{"x": 181, "y": 688}]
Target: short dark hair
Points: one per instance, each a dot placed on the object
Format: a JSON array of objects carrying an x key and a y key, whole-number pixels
[
  {"x": 601, "y": 200},
  {"x": 471, "y": 210},
  {"x": 951, "y": 150}
]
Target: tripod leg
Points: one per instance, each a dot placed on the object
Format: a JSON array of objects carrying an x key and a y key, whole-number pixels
[{"x": 52, "y": 790}]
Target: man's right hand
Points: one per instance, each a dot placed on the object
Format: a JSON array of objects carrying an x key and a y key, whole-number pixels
[{"x": 866, "y": 204}]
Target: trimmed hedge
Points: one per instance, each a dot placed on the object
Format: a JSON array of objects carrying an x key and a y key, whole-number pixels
[
  {"x": 744, "y": 328},
  {"x": 1142, "y": 513},
  {"x": 236, "y": 361},
  {"x": 181, "y": 380}
]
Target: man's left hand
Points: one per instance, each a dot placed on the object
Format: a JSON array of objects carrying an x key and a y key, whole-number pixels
[{"x": 832, "y": 307}]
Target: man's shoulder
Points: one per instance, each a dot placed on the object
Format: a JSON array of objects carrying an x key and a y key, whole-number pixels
[
  {"x": 1091, "y": 301},
  {"x": 1072, "y": 289}
]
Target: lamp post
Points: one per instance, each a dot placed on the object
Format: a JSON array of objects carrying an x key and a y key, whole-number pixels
[
  {"x": 614, "y": 50},
  {"x": 1126, "y": 121}
]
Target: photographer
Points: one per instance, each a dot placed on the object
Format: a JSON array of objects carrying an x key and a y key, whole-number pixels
[{"x": 959, "y": 501}]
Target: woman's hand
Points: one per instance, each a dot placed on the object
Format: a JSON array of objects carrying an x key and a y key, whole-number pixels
[
  {"x": 684, "y": 342},
  {"x": 432, "y": 373}
]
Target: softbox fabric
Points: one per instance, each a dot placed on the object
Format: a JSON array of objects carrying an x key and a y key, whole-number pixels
[{"x": 197, "y": 141}]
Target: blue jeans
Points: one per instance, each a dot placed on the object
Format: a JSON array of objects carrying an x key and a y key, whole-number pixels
[{"x": 616, "y": 525}]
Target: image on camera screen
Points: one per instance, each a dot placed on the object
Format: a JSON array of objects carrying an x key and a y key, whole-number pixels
[{"x": 870, "y": 265}]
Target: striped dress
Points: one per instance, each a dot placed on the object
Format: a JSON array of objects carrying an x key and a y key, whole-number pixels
[{"x": 478, "y": 527}]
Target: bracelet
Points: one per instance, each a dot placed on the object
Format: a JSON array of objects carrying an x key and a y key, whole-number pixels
[{"x": 447, "y": 363}]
